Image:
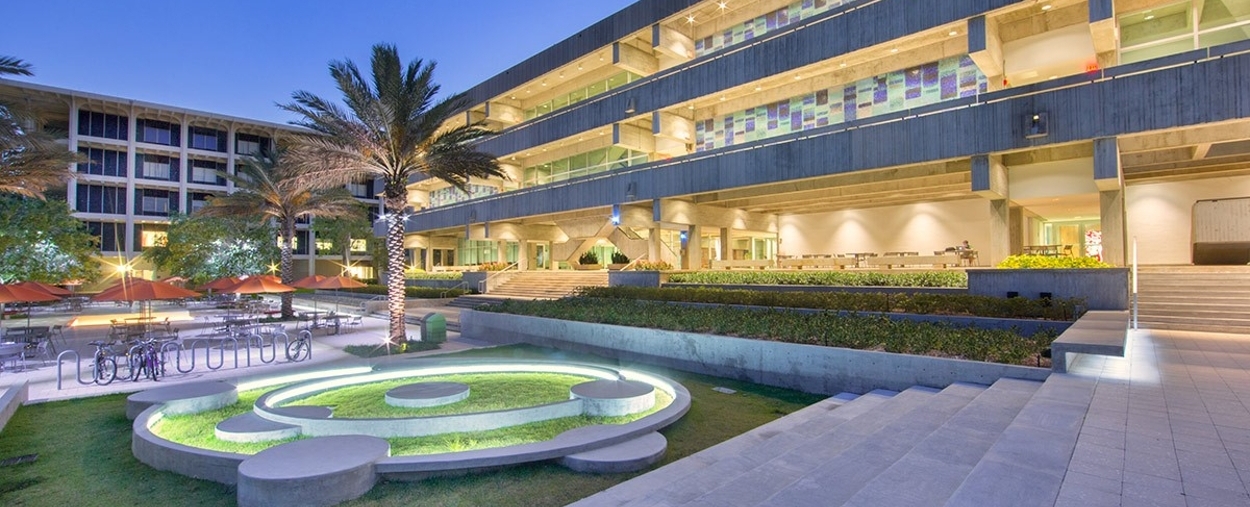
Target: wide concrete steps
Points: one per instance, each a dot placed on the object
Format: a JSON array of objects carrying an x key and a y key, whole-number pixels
[
  {"x": 1198, "y": 298},
  {"x": 549, "y": 284},
  {"x": 920, "y": 447}
]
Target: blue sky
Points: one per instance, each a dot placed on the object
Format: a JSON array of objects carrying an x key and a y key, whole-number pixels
[{"x": 239, "y": 57}]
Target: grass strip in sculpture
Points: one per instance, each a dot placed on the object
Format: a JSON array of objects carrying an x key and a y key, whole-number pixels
[{"x": 487, "y": 393}]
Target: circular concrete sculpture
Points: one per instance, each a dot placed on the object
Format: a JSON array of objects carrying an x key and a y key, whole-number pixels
[
  {"x": 614, "y": 397},
  {"x": 427, "y": 394},
  {"x": 183, "y": 398},
  {"x": 313, "y": 472},
  {"x": 631, "y": 456}
]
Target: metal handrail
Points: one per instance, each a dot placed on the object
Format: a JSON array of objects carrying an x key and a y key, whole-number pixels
[{"x": 484, "y": 285}]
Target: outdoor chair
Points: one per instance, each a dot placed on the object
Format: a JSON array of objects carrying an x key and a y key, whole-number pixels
[
  {"x": 58, "y": 333},
  {"x": 44, "y": 351},
  {"x": 13, "y": 353},
  {"x": 356, "y": 320}
]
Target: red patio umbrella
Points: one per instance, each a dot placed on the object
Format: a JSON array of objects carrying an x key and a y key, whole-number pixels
[
  {"x": 18, "y": 294},
  {"x": 258, "y": 285},
  {"x": 338, "y": 282},
  {"x": 43, "y": 287},
  {"x": 224, "y": 282},
  {"x": 132, "y": 290},
  {"x": 309, "y": 282}
]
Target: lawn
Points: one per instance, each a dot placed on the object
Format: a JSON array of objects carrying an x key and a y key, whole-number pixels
[
  {"x": 84, "y": 453},
  {"x": 487, "y": 392}
]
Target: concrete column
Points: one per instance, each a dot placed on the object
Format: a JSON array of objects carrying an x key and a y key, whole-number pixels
[
  {"x": 725, "y": 253},
  {"x": 1000, "y": 232},
  {"x": 1016, "y": 215},
  {"x": 1111, "y": 209},
  {"x": 523, "y": 254},
  {"x": 501, "y": 251},
  {"x": 990, "y": 180},
  {"x": 71, "y": 189},
  {"x": 693, "y": 258},
  {"x": 131, "y": 133},
  {"x": 428, "y": 263},
  {"x": 653, "y": 244}
]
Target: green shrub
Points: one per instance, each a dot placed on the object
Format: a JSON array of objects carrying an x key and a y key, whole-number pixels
[
  {"x": 412, "y": 292},
  {"x": 425, "y": 275},
  {"x": 493, "y": 266},
  {"x": 588, "y": 258},
  {"x": 619, "y": 258},
  {"x": 827, "y": 329},
  {"x": 924, "y": 304},
  {"x": 844, "y": 278},
  {"x": 652, "y": 266},
  {"x": 1050, "y": 262}
]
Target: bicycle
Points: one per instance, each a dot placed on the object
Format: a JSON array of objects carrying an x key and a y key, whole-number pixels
[
  {"x": 145, "y": 359},
  {"x": 301, "y": 348},
  {"x": 103, "y": 366}
]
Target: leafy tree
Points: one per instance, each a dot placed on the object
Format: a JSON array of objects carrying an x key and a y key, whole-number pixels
[
  {"x": 201, "y": 248},
  {"x": 273, "y": 186},
  {"x": 31, "y": 161},
  {"x": 392, "y": 128},
  {"x": 340, "y": 232},
  {"x": 41, "y": 241}
]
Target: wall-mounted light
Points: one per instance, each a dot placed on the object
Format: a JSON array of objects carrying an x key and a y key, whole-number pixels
[
  {"x": 631, "y": 106},
  {"x": 1036, "y": 125}
]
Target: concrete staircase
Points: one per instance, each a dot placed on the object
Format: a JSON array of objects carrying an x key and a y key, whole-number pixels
[
  {"x": 966, "y": 445},
  {"x": 549, "y": 284},
  {"x": 1197, "y": 298}
]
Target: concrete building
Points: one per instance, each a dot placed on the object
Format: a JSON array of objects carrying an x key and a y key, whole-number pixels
[
  {"x": 148, "y": 161},
  {"x": 702, "y": 131}
]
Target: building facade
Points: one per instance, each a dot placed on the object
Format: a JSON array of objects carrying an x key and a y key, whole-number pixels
[
  {"x": 711, "y": 131},
  {"x": 148, "y": 161}
]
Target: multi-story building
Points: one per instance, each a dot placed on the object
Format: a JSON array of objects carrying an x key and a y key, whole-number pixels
[
  {"x": 700, "y": 130},
  {"x": 147, "y": 161}
]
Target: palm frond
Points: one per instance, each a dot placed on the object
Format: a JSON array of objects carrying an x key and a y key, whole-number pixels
[{"x": 14, "y": 66}]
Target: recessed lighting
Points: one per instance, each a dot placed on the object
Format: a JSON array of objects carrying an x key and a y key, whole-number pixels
[
  {"x": 579, "y": 139},
  {"x": 758, "y": 88},
  {"x": 544, "y": 82},
  {"x": 953, "y": 33},
  {"x": 690, "y": 107},
  {"x": 513, "y": 97},
  {"x": 579, "y": 66},
  {"x": 843, "y": 64},
  {"x": 602, "y": 133},
  {"x": 561, "y": 74},
  {"x": 797, "y": 77},
  {"x": 544, "y": 149},
  {"x": 1047, "y": 7},
  {"x": 1053, "y": 77},
  {"x": 722, "y": 98},
  {"x": 722, "y": 5},
  {"x": 1150, "y": 17},
  {"x": 893, "y": 50},
  {"x": 690, "y": 19}
]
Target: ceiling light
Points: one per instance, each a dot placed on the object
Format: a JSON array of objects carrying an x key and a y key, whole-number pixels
[
  {"x": 1046, "y": 7},
  {"x": 1053, "y": 77},
  {"x": 561, "y": 74},
  {"x": 953, "y": 33},
  {"x": 1150, "y": 17},
  {"x": 722, "y": 5},
  {"x": 513, "y": 97},
  {"x": 690, "y": 107},
  {"x": 579, "y": 66},
  {"x": 544, "y": 82},
  {"x": 843, "y": 64},
  {"x": 893, "y": 50},
  {"x": 722, "y": 98},
  {"x": 690, "y": 19},
  {"x": 758, "y": 88}
]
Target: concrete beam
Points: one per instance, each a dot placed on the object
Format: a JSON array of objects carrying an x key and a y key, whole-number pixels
[
  {"x": 1206, "y": 134},
  {"x": 1107, "y": 172},
  {"x": 633, "y": 137},
  {"x": 671, "y": 42},
  {"x": 630, "y": 58},
  {"x": 841, "y": 180},
  {"x": 985, "y": 47},
  {"x": 989, "y": 177},
  {"x": 878, "y": 188},
  {"x": 688, "y": 213}
]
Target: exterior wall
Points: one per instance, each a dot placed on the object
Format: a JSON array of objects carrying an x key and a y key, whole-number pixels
[
  {"x": 1102, "y": 289},
  {"x": 923, "y": 227},
  {"x": 1160, "y": 215}
]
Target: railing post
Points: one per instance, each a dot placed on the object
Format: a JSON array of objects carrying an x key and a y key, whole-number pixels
[{"x": 1135, "y": 310}]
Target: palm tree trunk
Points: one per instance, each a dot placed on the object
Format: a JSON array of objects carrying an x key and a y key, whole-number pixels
[
  {"x": 288, "y": 238},
  {"x": 395, "y": 303}
]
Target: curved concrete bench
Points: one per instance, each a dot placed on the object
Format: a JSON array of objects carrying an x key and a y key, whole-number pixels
[
  {"x": 302, "y": 473},
  {"x": 427, "y": 394},
  {"x": 183, "y": 398},
  {"x": 631, "y": 456},
  {"x": 614, "y": 397}
]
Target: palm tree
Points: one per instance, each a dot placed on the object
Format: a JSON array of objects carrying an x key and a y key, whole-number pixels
[
  {"x": 393, "y": 128},
  {"x": 30, "y": 160},
  {"x": 271, "y": 186}
]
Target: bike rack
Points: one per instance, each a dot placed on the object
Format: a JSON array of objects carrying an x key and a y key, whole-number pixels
[{"x": 61, "y": 358}]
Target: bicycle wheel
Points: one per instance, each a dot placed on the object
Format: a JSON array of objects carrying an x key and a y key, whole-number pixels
[
  {"x": 105, "y": 371},
  {"x": 135, "y": 362},
  {"x": 297, "y": 350}
]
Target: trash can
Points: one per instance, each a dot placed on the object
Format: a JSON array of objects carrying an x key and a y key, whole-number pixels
[{"x": 433, "y": 328}]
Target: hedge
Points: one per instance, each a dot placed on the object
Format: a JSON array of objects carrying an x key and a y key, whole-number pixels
[
  {"x": 845, "y": 278},
  {"x": 926, "y": 304},
  {"x": 827, "y": 329},
  {"x": 1051, "y": 262},
  {"x": 434, "y": 276},
  {"x": 412, "y": 292}
]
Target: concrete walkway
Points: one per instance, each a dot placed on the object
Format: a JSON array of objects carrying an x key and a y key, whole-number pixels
[{"x": 1168, "y": 425}]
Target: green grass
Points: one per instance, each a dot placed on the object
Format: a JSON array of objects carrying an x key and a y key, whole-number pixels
[
  {"x": 487, "y": 392},
  {"x": 84, "y": 453},
  {"x": 196, "y": 430}
]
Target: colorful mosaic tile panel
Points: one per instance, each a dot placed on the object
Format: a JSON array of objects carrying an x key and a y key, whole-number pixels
[
  {"x": 918, "y": 86},
  {"x": 772, "y": 21},
  {"x": 452, "y": 195}
]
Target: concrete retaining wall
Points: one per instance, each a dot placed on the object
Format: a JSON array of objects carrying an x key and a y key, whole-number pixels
[
  {"x": 635, "y": 278},
  {"x": 1102, "y": 289},
  {"x": 161, "y": 454},
  {"x": 808, "y": 368},
  {"x": 826, "y": 288},
  {"x": 12, "y": 398},
  {"x": 435, "y": 284}
]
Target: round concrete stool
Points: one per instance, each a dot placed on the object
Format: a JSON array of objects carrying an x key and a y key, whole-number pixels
[
  {"x": 614, "y": 397},
  {"x": 427, "y": 394},
  {"x": 314, "y": 472},
  {"x": 187, "y": 398}
]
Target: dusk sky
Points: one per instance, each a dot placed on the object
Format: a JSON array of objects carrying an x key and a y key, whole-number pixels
[{"x": 239, "y": 57}]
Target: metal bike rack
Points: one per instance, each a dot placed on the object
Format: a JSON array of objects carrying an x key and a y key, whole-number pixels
[{"x": 60, "y": 360}]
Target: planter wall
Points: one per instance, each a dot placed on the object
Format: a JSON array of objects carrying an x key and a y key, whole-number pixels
[
  {"x": 1102, "y": 289},
  {"x": 822, "y": 288},
  {"x": 473, "y": 280},
  {"x": 808, "y": 368},
  {"x": 635, "y": 278},
  {"x": 435, "y": 284}
]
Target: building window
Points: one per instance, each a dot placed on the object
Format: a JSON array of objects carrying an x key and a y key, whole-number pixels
[
  {"x": 155, "y": 203},
  {"x": 1170, "y": 29},
  {"x": 597, "y": 161},
  {"x": 205, "y": 172},
  {"x": 108, "y": 126},
  {"x": 362, "y": 189},
  {"x": 158, "y": 132},
  {"x": 101, "y": 199},
  {"x": 102, "y": 162},
  {"x": 452, "y": 195},
  {"x": 156, "y": 167},
  {"x": 197, "y": 200},
  {"x": 108, "y": 234},
  {"x": 581, "y": 94},
  {"x": 301, "y": 243},
  {"x": 150, "y": 235},
  {"x": 771, "y": 22},
  {"x": 248, "y": 144},
  {"x": 207, "y": 139}
]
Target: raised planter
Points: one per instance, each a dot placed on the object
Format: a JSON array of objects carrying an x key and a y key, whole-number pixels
[
  {"x": 1101, "y": 288},
  {"x": 617, "y": 266},
  {"x": 473, "y": 280},
  {"x": 808, "y": 368},
  {"x": 587, "y": 267},
  {"x": 821, "y": 288},
  {"x": 434, "y": 284}
]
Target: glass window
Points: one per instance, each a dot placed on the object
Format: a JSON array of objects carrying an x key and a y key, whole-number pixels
[
  {"x": 207, "y": 139},
  {"x": 108, "y": 234},
  {"x": 150, "y": 235},
  {"x": 1217, "y": 13},
  {"x": 101, "y": 199}
]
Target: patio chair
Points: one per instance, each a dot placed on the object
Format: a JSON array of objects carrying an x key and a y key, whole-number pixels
[
  {"x": 57, "y": 332},
  {"x": 356, "y": 320},
  {"x": 13, "y": 353},
  {"x": 44, "y": 351}
]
